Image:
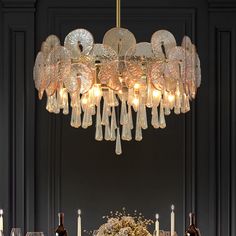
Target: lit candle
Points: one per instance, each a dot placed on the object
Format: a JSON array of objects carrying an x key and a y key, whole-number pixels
[
  {"x": 172, "y": 219},
  {"x": 157, "y": 225},
  {"x": 1, "y": 220},
  {"x": 79, "y": 223}
]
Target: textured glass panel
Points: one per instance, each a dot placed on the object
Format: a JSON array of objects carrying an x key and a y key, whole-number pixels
[
  {"x": 198, "y": 71},
  {"x": 103, "y": 53},
  {"x": 108, "y": 71},
  {"x": 79, "y": 41},
  {"x": 157, "y": 74},
  {"x": 120, "y": 40},
  {"x": 51, "y": 42},
  {"x": 109, "y": 75},
  {"x": 51, "y": 88},
  {"x": 73, "y": 83},
  {"x": 162, "y": 41},
  {"x": 40, "y": 78},
  {"x": 194, "y": 72},
  {"x": 138, "y": 61},
  {"x": 140, "y": 51},
  {"x": 81, "y": 77},
  {"x": 59, "y": 64},
  {"x": 187, "y": 43},
  {"x": 132, "y": 74},
  {"x": 184, "y": 59},
  {"x": 172, "y": 70}
]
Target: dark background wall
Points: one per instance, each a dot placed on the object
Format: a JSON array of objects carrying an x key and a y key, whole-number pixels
[{"x": 46, "y": 166}]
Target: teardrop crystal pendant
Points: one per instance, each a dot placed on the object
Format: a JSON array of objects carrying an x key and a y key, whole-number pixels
[
  {"x": 138, "y": 131},
  {"x": 75, "y": 117},
  {"x": 130, "y": 118},
  {"x": 98, "y": 134},
  {"x": 107, "y": 132},
  {"x": 162, "y": 116},
  {"x": 155, "y": 119},
  {"x": 113, "y": 124},
  {"x": 118, "y": 143}
]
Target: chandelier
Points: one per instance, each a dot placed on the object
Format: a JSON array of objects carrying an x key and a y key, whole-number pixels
[{"x": 117, "y": 79}]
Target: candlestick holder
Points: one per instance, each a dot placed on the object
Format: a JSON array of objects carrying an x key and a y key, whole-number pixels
[{"x": 164, "y": 233}]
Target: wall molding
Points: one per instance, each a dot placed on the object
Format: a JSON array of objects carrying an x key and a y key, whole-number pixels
[
  {"x": 18, "y": 110},
  {"x": 223, "y": 156},
  {"x": 222, "y": 6},
  {"x": 18, "y": 3}
]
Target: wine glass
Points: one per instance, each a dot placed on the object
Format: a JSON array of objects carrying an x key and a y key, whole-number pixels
[
  {"x": 95, "y": 232},
  {"x": 34, "y": 234},
  {"x": 16, "y": 232}
]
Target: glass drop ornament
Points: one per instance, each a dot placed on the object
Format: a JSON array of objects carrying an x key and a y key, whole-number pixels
[{"x": 118, "y": 143}]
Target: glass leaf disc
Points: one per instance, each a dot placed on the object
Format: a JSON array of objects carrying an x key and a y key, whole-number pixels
[
  {"x": 158, "y": 75},
  {"x": 51, "y": 42},
  {"x": 79, "y": 41},
  {"x": 58, "y": 64},
  {"x": 120, "y": 40},
  {"x": 40, "y": 78},
  {"x": 50, "y": 90},
  {"x": 103, "y": 53},
  {"x": 186, "y": 43},
  {"x": 81, "y": 77},
  {"x": 138, "y": 61},
  {"x": 162, "y": 42},
  {"x": 183, "y": 58},
  {"x": 109, "y": 75}
]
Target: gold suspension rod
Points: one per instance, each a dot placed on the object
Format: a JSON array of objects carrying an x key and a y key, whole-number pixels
[{"x": 118, "y": 13}]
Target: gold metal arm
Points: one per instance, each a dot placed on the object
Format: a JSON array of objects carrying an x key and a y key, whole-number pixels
[{"x": 118, "y": 13}]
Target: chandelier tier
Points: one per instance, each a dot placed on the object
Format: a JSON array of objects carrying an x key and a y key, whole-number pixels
[{"x": 117, "y": 79}]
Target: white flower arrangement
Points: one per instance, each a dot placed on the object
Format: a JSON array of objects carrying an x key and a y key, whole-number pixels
[{"x": 122, "y": 224}]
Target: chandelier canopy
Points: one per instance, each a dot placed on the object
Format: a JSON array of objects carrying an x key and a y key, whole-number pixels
[{"x": 117, "y": 79}]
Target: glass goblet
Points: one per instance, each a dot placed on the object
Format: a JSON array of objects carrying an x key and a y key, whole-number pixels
[
  {"x": 16, "y": 232},
  {"x": 34, "y": 234}
]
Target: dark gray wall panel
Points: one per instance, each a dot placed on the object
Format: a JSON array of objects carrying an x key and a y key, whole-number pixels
[
  {"x": 17, "y": 146},
  {"x": 222, "y": 171}
]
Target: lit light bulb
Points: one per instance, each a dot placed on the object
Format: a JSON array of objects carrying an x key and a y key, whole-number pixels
[
  {"x": 136, "y": 101},
  {"x": 65, "y": 95},
  {"x": 156, "y": 93},
  {"x": 62, "y": 92},
  {"x": 171, "y": 98},
  {"x": 97, "y": 90},
  {"x": 121, "y": 79},
  {"x": 84, "y": 100},
  {"x": 136, "y": 86},
  {"x": 177, "y": 93}
]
